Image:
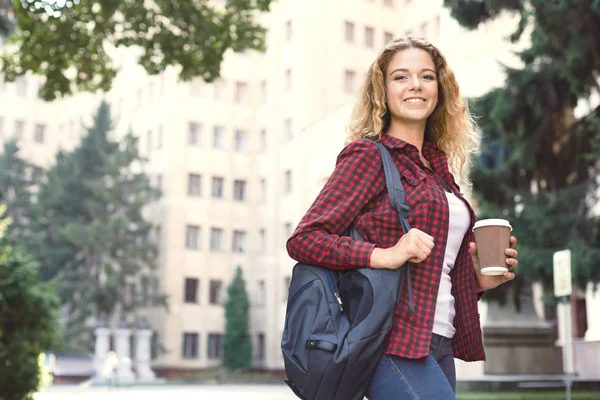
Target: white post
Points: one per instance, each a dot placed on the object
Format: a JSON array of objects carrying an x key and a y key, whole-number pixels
[
  {"x": 124, "y": 372},
  {"x": 592, "y": 305},
  {"x": 143, "y": 356},
  {"x": 101, "y": 349}
]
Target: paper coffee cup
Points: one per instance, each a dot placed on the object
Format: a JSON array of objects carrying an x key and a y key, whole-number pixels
[{"x": 492, "y": 237}]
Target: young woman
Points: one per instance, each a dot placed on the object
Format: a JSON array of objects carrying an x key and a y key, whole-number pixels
[{"x": 409, "y": 102}]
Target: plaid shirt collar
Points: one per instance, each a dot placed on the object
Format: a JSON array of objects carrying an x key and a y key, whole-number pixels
[{"x": 432, "y": 153}]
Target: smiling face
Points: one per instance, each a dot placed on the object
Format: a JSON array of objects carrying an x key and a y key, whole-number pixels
[{"x": 411, "y": 86}]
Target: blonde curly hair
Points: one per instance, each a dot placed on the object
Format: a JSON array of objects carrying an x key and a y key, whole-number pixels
[{"x": 451, "y": 126}]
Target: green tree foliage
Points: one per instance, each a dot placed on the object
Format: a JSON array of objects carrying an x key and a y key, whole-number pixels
[
  {"x": 16, "y": 181},
  {"x": 67, "y": 42},
  {"x": 91, "y": 234},
  {"x": 28, "y": 323},
  {"x": 237, "y": 354},
  {"x": 539, "y": 162}
]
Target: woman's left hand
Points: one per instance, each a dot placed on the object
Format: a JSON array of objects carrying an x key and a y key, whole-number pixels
[{"x": 485, "y": 282}]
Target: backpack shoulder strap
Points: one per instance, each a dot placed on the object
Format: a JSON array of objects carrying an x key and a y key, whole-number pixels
[
  {"x": 398, "y": 201},
  {"x": 394, "y": 186}
]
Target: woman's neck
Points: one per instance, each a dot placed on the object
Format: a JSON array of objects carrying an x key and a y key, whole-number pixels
[{"x": 410, "y": 133}]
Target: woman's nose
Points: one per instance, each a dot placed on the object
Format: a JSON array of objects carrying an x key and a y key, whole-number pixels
[{"x": 415, "y": 83}]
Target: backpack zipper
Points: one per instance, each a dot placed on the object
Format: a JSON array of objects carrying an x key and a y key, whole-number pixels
[{"x": 334, "y": 290}]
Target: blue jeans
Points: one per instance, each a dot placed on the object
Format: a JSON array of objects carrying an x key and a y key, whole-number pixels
[{"x": 429, "y": 378}]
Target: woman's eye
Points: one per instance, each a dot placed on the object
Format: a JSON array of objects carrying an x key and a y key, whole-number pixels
[
  {"x": 430, "y": 77},
  {"x": 399, "y": 77}
]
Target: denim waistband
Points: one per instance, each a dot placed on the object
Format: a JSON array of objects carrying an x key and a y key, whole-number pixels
[{"x": 440, "y": 345}]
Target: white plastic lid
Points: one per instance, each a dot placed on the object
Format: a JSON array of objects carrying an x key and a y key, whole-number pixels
[{"x": 492, "y": 222}]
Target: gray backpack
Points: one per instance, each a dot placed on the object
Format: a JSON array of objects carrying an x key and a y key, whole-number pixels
[{"x": 337, "y": 322}]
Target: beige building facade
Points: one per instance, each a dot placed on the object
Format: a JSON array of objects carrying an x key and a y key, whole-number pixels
[{"x": 241, "y": 159}]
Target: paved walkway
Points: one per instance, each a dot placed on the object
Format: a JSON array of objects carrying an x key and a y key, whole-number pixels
[{"x": 192, "y": 392}]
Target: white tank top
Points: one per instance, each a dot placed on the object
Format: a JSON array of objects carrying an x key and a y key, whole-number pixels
[{"x": 459, "y": 223}]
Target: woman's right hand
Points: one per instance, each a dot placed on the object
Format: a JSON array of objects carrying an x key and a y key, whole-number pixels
[{"x": 414, "y": 246}]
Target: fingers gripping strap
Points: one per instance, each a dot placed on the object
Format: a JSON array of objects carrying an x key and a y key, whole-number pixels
[{"x": 397, "y": 199}]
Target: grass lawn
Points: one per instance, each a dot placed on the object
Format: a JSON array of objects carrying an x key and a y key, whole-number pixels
[{"x": 528, "y": 396}]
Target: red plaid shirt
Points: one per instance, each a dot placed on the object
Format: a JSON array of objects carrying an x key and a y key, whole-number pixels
[{"x": 356, "y": 193}]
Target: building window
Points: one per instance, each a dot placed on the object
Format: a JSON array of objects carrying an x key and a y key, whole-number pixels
[
  {"x": 148, "y": 142},
  {"x": 192, "y": 237},
  {"x": 241, "y": 93},
  {"x": 288, "y": 30},
  {"x": 138, "y": 96},
  {"x": 241, "y": 141},
  {"x": 425, "y": 30},
  {"x": 151, "y": 90},
  {"x": 159, "y": 181},
  {"x": 159, "y": 143},
  {"x": 349, "y": 81},
  {"x": 218, "y": 137},
  {"x": 288, "y": 80},
  {"x": 145, "y": 295},
  {"x": 287, "y": 182},
  {"x": 157, "y": 236},
  {"x": 191, "y": 290},
  {"x": 260, "y": 346},
  {"x": 349, "y": 31},
  {"x": 217, "y": 187},
  {"x": 215, "y": 346},
  {"x": 38, "y": 135},
  {"x": 215, "y": 291},
  {"x": 263, "y": 191},
  {"x": 239, "y": 190},
  {"x": 287, "y": 230},
  {"x": 194, "y": 184},
  {"x": 388, "y": 37},
  {"x": 287, "y": 127},
  {"x": 369, "y": 37},
  {"x": 263, "y": 92},
  {"x": 220, "y": 88},
  {"x": 216, "y": 239},
  {"x": 260, "y": 294},
  {"x": 195, "y": 134},
  {"x": 263, "y": 139},
  {"x": 196, "y": 87},
  {"x": 21, "y": 84},
  {"x": 286, "y": 287},
  {"x": 19, "y": 127},
  {"x": 190, "y": 345},
  {"x": 238, "y": 244},
  {"x": 36, "y": 174},
  {"x": 262, "y": 240}
]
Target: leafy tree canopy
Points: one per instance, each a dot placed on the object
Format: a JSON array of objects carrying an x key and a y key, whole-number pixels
[{"x": 67, "y": 40}]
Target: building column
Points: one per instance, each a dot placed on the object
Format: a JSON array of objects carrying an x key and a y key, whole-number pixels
[
  {"x": 143, "y": 356},
  {"x": 592, "y": 305},
  {"x": 124, "y": 372},
  {"x": 102, "y": 346}
]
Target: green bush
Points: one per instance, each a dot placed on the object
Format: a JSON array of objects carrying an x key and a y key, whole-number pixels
[{"x": 28, "y": 323}]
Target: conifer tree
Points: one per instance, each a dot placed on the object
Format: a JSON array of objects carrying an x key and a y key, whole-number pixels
[
  {"x": 539, "y": 161},
  {"x": 237, "y": 345}
]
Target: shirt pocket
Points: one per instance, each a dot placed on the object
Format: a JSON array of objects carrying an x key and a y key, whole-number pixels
[{"x": 382, "y": 222}]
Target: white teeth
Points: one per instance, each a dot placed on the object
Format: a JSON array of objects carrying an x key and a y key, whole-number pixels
[{"x": 414, "y": 100}]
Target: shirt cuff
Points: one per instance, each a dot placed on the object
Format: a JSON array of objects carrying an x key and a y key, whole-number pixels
[{"x": 360, "y": 256}]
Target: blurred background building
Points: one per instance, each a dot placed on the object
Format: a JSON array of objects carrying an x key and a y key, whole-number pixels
[{"x": 241, "y": 159}]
